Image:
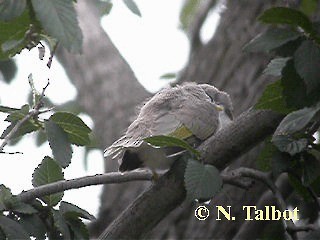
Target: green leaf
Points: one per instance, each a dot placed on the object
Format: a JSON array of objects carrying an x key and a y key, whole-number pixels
[
  {"x": 306, "y": 62},
  {"x": 60, "y": 224},
  {"x": 78, "y": 228},
  {"x": 8, "y": 69},
  {"x": 271, "y": 39},
  {"x": 282, "y": 15},
  {"x": 59, "y": 19},
  {"x": 132, "y": 7},
  {"x": 48, "y": 171},
  {"x": 77, "y": 130},
  {"x": 10, "y": 9},
  {"x": 168, "y": 76},
  {"x": 41, "y": 138},
  {"x": 19, "y": 114},
  {"x": 34, "y": 225},
  {"x": 202, "y": 182},
  {"x": 5, "y": 109},
  {"x": 272, "y": 98},
  {"x": 14, "y": 31},
  {"x": 12, "y": 229},
  {"x": 168, "y": 141},
  {"x": 59, "y": 143},
  {"x": 294, "y": 88},
  {"x": 289, "y": 145},
  {"x": 69, "y": 210},
  {"x": 296, "y": 121},
  {"x": 21, "y": 207},
  {"x": 275, "y": 67},
  {"x": 106, "y": 7},
  {"x": 26, "y": 127}
]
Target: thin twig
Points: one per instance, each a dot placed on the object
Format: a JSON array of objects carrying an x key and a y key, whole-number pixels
[
  {"x": 265, "y": 178},
  {"x": 98, "y": 179},
  {"x": 107, "y": 178},
  {"x": 35, "y": 111}
]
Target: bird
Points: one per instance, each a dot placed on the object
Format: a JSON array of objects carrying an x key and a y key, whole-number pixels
[{"x": 191, "y": 112}]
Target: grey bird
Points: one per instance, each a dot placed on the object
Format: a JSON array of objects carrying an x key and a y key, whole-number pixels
[{"x": 192, "y": 112}]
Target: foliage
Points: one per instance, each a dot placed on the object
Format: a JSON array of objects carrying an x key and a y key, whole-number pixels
[{"x": 293, "y": 41}]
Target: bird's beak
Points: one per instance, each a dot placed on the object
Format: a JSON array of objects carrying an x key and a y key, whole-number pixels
[{"x": 219, "y": 107}]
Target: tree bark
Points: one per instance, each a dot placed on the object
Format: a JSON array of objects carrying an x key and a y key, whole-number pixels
[{"x": 109, "y": 92}]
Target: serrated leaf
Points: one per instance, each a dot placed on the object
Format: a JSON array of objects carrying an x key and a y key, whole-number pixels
[
  {"x": 59, "y": 19},
  {"x": 271, "y": 39},
  {"x": 307, "y": 64},
  {"x": 12, "y": 229},
  {"x": 132, "y": 6},
  {"x": 34, "y": 226},
  {"x": 202, "y": 182},
  {"x": 60, "y": 224},
  {"x": 282, "y": 15},
  {"x": 168, "y": 141},
  {"x": 289, "y": 145},
  {"x": 77, "y": 130},
  {"x": 296, "y": 121},
  {"x": 59, "y": 143},
  {"x": 275, "y": 66},
  {"x": 79, "y": 229},
  {"x": 273, "y": 98},
  {"x": 69, "y": 210},
  {"x": 10, "y": 9},
  {"x": 48, "y": 171}
]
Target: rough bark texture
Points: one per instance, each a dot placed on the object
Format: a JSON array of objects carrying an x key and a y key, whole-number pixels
[{"x": 109, "y": 91}]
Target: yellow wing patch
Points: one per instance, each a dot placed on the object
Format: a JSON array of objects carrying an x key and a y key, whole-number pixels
[{"x": 182, "y": 133}]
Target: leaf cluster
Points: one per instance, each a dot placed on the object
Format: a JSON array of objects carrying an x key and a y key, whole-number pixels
[
  {"x": 40, "y": 218},
  {"x": 293, "y": 41}
]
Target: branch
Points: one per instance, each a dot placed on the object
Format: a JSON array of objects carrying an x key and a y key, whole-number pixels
[
  {"x": 34, "y": 112},
  {"x": 86, "y": 181},
  {"x": 106, "y": 178},
  {"x": 220, "y": 150}
]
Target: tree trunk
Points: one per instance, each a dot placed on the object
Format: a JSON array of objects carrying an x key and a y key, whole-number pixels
[{"x": 109, "y": 93}]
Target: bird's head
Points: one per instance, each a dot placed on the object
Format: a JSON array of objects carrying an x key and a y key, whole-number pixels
[{"x": 221, "y": 99}]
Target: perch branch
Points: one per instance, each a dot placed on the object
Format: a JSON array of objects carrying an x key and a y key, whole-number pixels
[{"x": 220, "y": 150}]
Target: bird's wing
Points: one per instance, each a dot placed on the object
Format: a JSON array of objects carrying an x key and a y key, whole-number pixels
[{"x": 200, "y": 117}]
